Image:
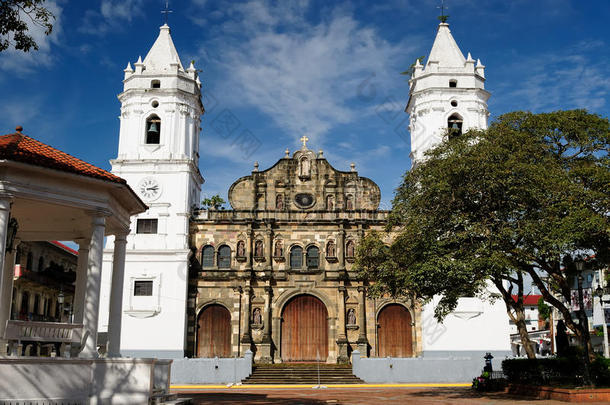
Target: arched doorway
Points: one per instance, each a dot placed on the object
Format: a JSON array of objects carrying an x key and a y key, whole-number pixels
[
  {"x": 214, "y": 332},
  {"x": 304, "y": 330},
  {"x": 394, "y": 332}
]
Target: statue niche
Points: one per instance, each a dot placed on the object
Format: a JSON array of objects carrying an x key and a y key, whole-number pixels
[
  {"x": 257, "y": 319},
  {"x": 259, "y": 252},
  {"x": 304, "y": 168}
]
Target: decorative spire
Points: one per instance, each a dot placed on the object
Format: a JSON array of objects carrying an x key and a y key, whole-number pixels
[
  {"x": 445, "y": 51},
  {"x": 163, "y": 56},
  {"x": 128, "y": 69},
  {"x": 287, "y": 153},
  {"x": 352, "y": 166}
]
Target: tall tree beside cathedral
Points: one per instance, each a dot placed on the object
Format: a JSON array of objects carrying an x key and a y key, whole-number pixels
[
  {"x": 16, "y": 19},
  {"x": 527, "y": 196}
]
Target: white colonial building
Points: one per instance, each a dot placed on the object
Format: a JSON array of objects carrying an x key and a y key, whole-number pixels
[
  {"x": 448, "y": 94},
  {"x": 158, "y": 156}
]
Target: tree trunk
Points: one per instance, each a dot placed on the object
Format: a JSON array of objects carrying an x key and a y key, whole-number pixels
[
  {"x": 522, "y": 327},
  {"x": 515, "y": 311}
]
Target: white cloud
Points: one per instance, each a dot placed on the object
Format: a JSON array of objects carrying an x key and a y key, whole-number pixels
[
  {"x": 111, "y": 15},
  {"x": 574, "y": 77},
  {"x": 19, "y": 62},
  {"x": 305, "y": 76}
]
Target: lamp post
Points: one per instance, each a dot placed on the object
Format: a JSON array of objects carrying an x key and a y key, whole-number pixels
[
  {"x": 60, "y": 301},
  {"x": 599, "y": 292},
  {"x": 582, "y": 320}
]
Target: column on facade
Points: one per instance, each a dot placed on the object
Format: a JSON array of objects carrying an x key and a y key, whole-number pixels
[
  {"x": 342, "y": 336},
  {"x": 362, "y": 340},
  {"x": 249, "y": 242},
  {"x": 116, "y": 295},
  {"x": 92, "y": 291},
  {"x": 7, "y": 269},
  {"x": 341, "y": 247},
  {"x": 268, "y": 313},
  {"x": 78, "y": 302},
  {"x": 246, "y": 338},
  {"x": 269, "y": 242}
]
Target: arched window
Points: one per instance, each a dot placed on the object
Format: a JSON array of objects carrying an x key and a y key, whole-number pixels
[
  {"x": 30, "y": 262},
  {"x": 207, "y": 256},
  {"x": 296, "y": 257},
  {"x": 36, "y": 309},
  {"x": 350, "y": 248},
  {"x": 224, "y": 257},
  {"x": 40, "y": 263},
  {"x": 454, "y": 124},
  {"x": 153, "y": 130},
  {"x": 349, "y": 202},
  {"x": 452, "y": 83},
  {"x": 25, "y": 305},
  {"x": 155, "y": 84},
  {"x": 313, "y": 257}
]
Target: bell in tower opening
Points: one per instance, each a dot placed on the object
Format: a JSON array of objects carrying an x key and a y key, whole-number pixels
[{"x": 153, "y": 130}]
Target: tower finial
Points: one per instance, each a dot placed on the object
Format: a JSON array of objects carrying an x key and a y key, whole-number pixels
[
  {"x": 304, "y": 139},
  {"x": 166, "y": 11},
  {"x": 443, "y": 18}
]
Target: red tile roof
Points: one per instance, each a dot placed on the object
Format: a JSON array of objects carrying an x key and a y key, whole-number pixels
[
  {"x": 531, "y": 299},
  {"x": 21, "y": 148}
]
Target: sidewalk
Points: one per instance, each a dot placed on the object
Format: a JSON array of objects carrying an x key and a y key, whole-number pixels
[{"x": 357, "y": 395}]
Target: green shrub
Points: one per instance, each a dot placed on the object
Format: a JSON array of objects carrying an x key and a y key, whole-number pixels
[
  {"x": 547, "y": 371},
  {"x": 600, "y": 372}
]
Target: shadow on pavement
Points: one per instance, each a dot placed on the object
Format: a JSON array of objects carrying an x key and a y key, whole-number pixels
[{"x": 237, "y": 398}]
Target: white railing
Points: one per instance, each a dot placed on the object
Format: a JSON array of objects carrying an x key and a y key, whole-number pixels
[{"x": 51, "y": 332}]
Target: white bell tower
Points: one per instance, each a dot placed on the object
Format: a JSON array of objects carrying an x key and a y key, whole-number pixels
[
  {"x": 447, "y": 93},
  {"x": 448, "y": 96},
  {"x": 158, "y": 155}
]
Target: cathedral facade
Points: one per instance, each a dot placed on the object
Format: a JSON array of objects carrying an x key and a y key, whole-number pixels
[{"x": 275, "y": 274}]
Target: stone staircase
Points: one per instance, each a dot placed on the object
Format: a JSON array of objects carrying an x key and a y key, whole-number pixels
[{"x": 302, "y": 373}]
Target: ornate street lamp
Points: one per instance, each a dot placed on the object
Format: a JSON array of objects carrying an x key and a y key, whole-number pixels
[
  {"x": 582, "y": 320},
  {"x": 599, "y": 292}
]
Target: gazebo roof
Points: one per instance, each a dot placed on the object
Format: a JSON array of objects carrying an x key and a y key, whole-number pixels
[{"x": 21, "y": 148}]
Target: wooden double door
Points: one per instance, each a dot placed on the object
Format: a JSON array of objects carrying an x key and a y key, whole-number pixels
[
  {"x": 304, "y": 330},
  {"x": 394, "y": 332},
  {"x": 214, "y": 332}
]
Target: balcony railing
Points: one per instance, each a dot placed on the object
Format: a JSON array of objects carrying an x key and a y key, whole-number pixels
[{"x": 47, "y": 332}]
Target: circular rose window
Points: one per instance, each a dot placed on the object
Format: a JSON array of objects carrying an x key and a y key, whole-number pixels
[{"x": 304, "y": 200}]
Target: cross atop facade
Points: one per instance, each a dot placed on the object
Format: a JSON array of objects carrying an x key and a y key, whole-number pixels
[
  {"x": 166, "y": 11},
  {"x": 442, "y": 7},
  {"x": 304, "y": 139}
]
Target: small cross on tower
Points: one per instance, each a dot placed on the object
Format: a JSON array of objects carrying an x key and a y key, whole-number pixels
[
  {"x": 304, "y": 139},
  {"x": 166, "y": 11},
  {"x": 443, "y": 18}
]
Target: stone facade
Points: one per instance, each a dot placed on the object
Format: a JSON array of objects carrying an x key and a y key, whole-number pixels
[{"x": 279, "y": 217}]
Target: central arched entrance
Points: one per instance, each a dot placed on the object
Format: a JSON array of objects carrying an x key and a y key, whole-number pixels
[
  {"x": 304, "y": 330},
  {"x": 394, "y": 332},
  {"x": 214, "y": 332}
]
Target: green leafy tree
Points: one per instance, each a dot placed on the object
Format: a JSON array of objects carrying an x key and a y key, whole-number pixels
[
  {"x": 15, "y": 15},
  {"x": 214, "y": 202},
  {"x": 526, "y": 196}
]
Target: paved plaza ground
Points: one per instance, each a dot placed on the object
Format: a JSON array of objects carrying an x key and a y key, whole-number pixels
[{"x": 377, "y": 396}]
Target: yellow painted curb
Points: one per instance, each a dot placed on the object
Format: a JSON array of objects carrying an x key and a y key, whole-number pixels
[{"x": 256, "y": 386}]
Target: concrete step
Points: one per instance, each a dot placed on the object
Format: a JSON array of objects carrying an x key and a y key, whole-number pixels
[{"x": 302, "y": 373}]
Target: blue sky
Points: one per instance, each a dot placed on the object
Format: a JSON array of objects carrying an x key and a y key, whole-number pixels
[{"x": 285, "y": 68}]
